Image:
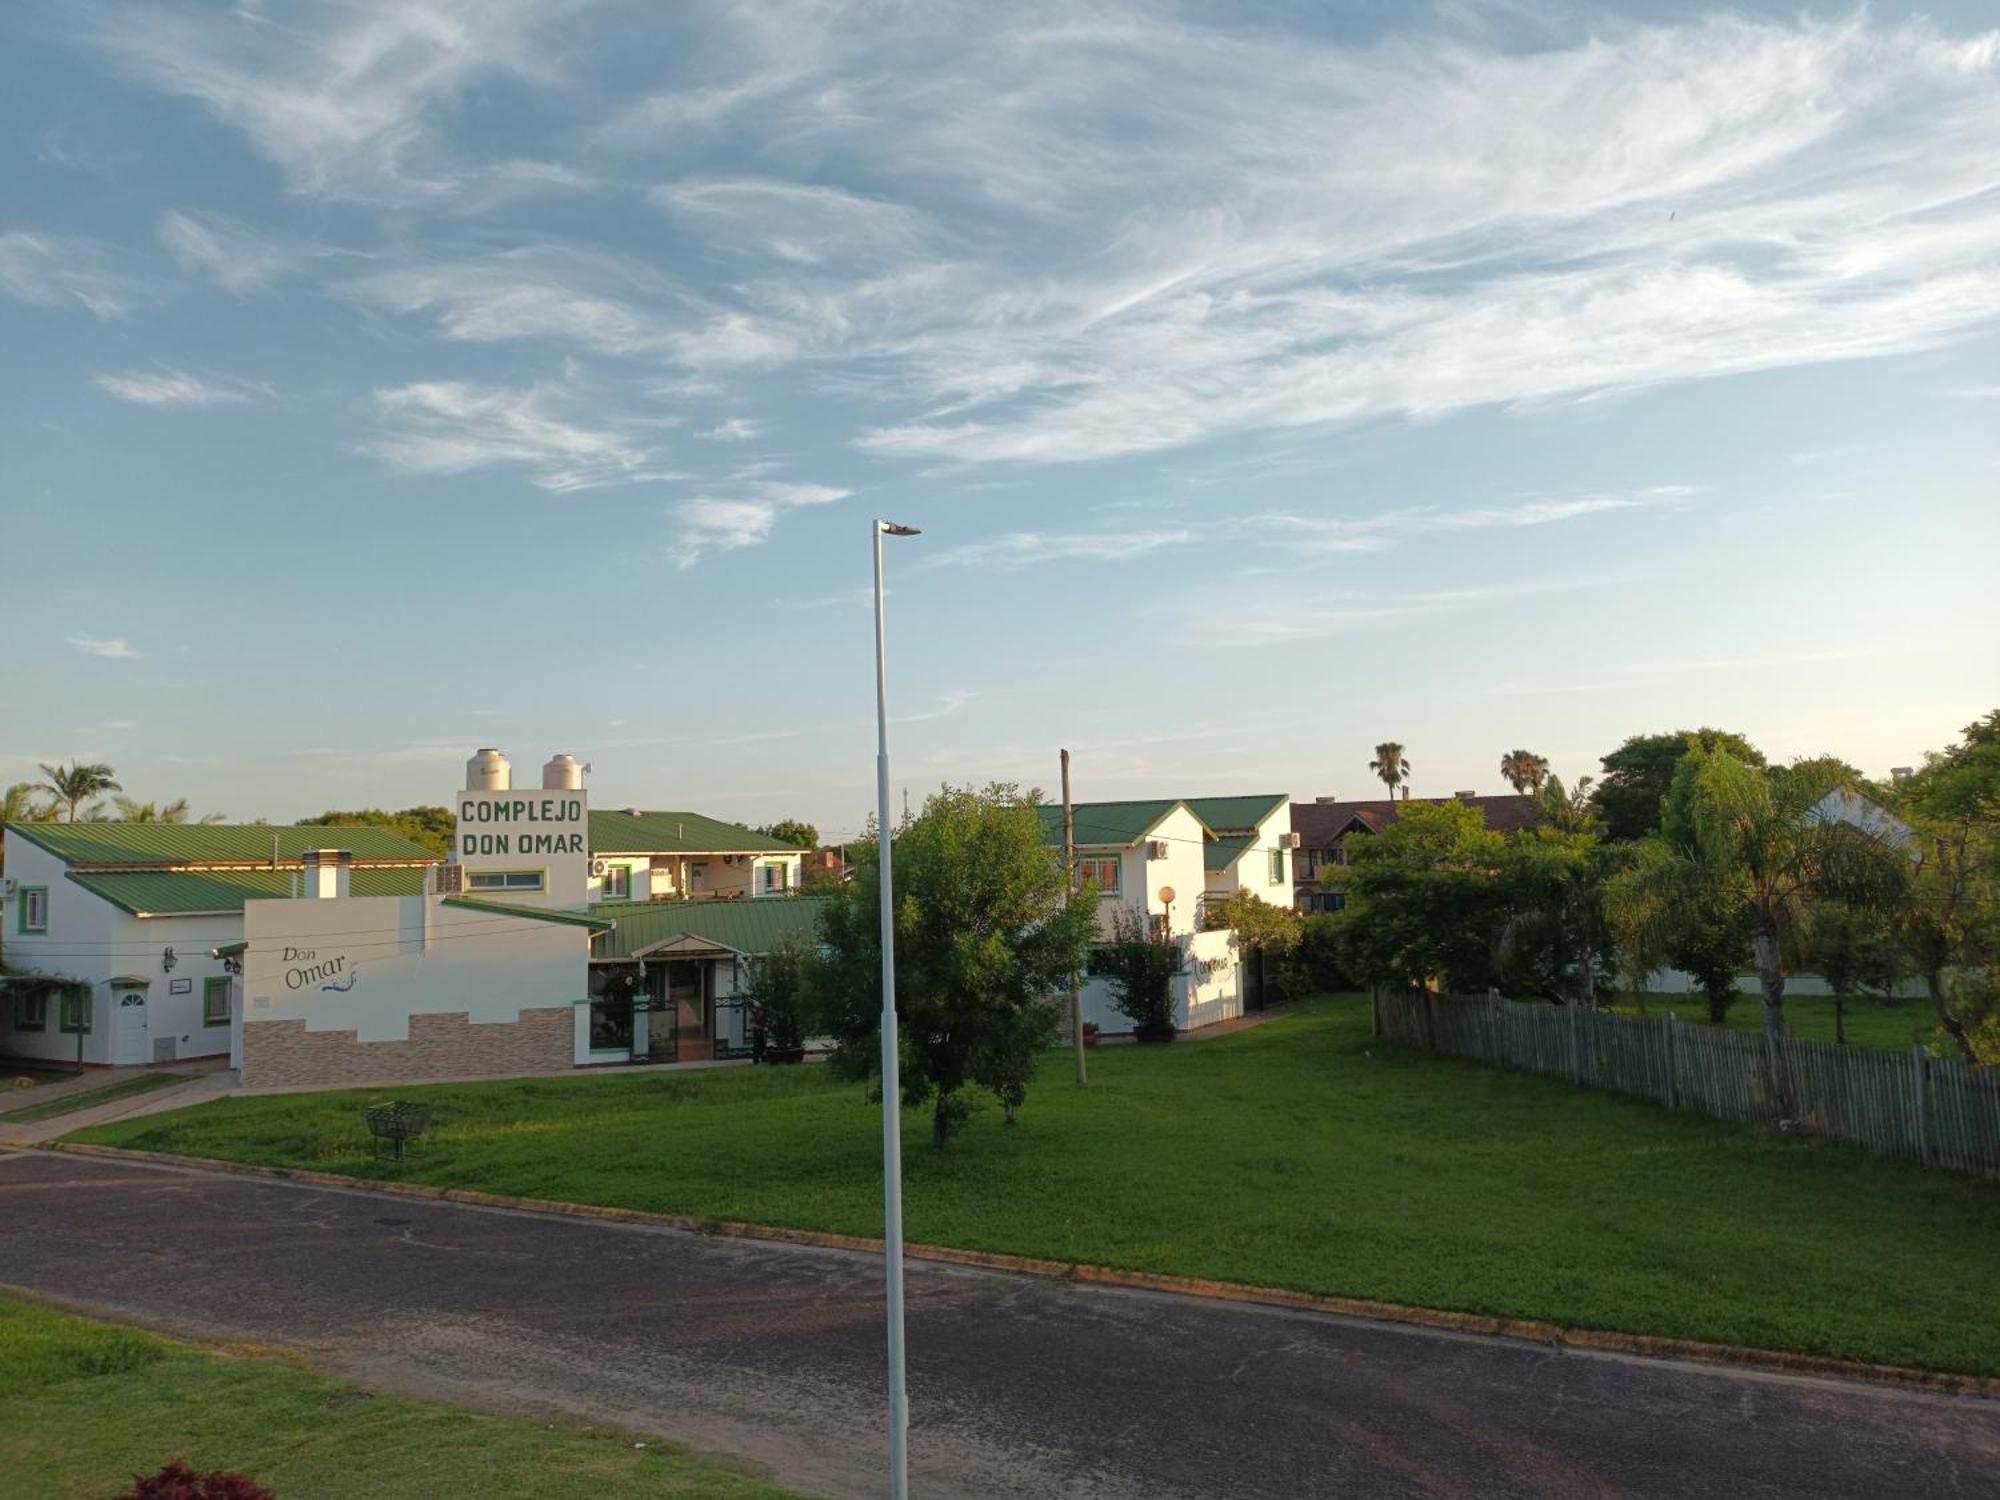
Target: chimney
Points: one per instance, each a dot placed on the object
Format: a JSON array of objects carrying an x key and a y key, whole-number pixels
[
  {"x": 1465, "y": 796},
  {"x": 1326, "y": 801},
  {"x": 328, "y": 874},
  {"x": 1406, "y": 794},
  {"x": 1899, "y": 773}
]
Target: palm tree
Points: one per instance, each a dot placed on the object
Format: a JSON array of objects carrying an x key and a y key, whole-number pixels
[
  {"x": 131, "y": 810},
  {"x": 1390, "y": 764},
  {"x": 1524, "y": 771},
  {"x": 23, "y": 803},
  {"x": 77, "y": 783}
]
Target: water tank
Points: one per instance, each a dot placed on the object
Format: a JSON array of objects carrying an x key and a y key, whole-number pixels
[
  {"x": 488, "y": 771},
  {"x": 563, "y": 773}
]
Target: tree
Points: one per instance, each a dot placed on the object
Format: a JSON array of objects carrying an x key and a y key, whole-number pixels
[
  {"x": 1140, "y": 968},
  {"x": 23, "y": 803},
  {"x": 1666, "y": 912},
  {"x": 792, "y": 831},
  {"x": 75, "y": 784},
  {"x": 1391, "y": 765},
  {"x": 1855, "y": 951},
  {"x": 1639, "y": 772},
  {"x": 1553, "y": 940},
  {"x": 1948, "y": 917},
  {"x": 1748, "y": 839},
  {"x": 1524, "y": 771},
  {"x": 429, "y": 825},
  {"x": 1256, "y": 922},
  {"x": 779, "y": 996},
  {"x": 1425, "y": 899},
  {"x": 987, "y": 931},
  {"x": 131, "y": 810}
]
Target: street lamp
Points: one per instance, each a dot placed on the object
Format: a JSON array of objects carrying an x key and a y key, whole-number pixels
[{"x": 892, "y": 1100}]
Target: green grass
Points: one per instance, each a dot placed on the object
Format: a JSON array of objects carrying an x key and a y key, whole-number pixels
[
  {"x": 1295, "y": 1154},
  {"x": 69, "y": 1104},
  {"x": 1884, "y": 1025},
  {"x": 85, "y": 1405}
]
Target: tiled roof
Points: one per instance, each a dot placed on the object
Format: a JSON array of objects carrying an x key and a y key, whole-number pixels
[
  {"x": 1222, "y": 813},
  {"x": 676, "y": 833},
  {"x": 169, "y": 844},
  {"x": 1108, "y": 822},
  {"x": 750, "y": 925},
  {"x": 1318, "y": 824},
  {"x": 183, "y": 893}
]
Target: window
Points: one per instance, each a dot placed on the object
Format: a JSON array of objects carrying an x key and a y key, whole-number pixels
[
  {"x": 1103, "y": 870},
  {"x": 617, "y": 883},
  {"x": 1277, "y": 867},
  {"x": 31, "y": 1010},
  {"x": 75, "y": 1012},
  {"x": 773, "y": 879},
  {"x": 215, "y": 1001},
  {"x": 34, "y": 908},
  {"x": 504, "y": 880}
]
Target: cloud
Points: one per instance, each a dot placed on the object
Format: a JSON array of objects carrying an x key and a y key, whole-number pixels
[
  {"x": 735, "y": 430},
  {"x": 166, "y": 387},
  {"x": 1380, "y": 532},
  {"x": 1354, "y": 612},
  {"x": 232, "y": 255},
  {"x": 712, "y": 523},
  {"x": 456, "y": 426},
  {"x": 343, "y": 99},
  {"x": 115, "y": 647},
  {"x": 802, "y": 223},
  {"x": 46, "y": 270},
  {"x": 1022, "y": 548}
]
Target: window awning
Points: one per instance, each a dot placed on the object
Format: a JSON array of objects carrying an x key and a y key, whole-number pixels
[{"x": 128, "y": 981}]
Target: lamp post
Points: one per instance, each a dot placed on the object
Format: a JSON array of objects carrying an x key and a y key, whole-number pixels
[{"x": 892, "y": 1093}]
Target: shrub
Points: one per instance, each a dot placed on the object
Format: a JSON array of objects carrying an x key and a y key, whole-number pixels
[
  {"x": 778, "y": 999},
  {"x": 1315, "y": 966},
  {"x": 178, "y": 1482},
  {"x": 1141, "y": 970}
]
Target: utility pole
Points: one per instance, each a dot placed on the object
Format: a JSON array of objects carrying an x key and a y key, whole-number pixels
[{"x": 1069, "y": 867}]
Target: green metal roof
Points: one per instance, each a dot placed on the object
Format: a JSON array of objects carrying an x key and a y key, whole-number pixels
[
  {"x": 1226, "y": 850},
  {"x": 676, "y": 833},
  {"x": 183, "y": 893},
  {"x": 213, "y": 843},
  {"x": 538, "y": 913},
  {"x": 1109, "y": 822},
  {"x": 1222, "y": 813},
  {"x": 748, "y": 925}
]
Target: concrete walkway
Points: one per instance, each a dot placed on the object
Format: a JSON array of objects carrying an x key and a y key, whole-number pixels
[
  {"x": 205, "y": 1078},
  {"x": 1019, "y": 1386}
]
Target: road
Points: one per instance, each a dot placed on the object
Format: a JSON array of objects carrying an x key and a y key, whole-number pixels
[{"x": 1019, "y": 1386}]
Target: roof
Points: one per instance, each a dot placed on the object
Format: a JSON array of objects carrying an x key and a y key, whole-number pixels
[
  {"x": 188, "y": 893},
  {"x": 749, "y": 925},
  {"x": 677, "y": 833},
  {"x": 1226, "y": 850},
  {"x": 214, "y": 843},
  {"x": 1224, "y": 814},
  {"x": 1318, "y": 824},
  {"x": 1109, "y": 822},
  {"x": 534, "y": 913}
]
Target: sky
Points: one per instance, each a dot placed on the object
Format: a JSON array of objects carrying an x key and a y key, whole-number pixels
[{"x": 380, "y": 379}]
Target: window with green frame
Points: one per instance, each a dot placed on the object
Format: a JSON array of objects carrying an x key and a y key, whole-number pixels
[
  {"x": 505, "y": 880},
  {"x": 1277, "y": 867},
  {"x": 34, "y": 912},
  {"x": 74, "y": 1015},
  {"x": 617, "y": 883},
  {"x": 215, "y": 1001},
  {"x": 31, "y": 1010}
]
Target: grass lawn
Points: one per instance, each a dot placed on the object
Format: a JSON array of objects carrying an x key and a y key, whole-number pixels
[
  {"x": 69, "y": 1104},
  {"x": 1888, "y": 1025},
  {"x": 84, "y": 1405},
  {"x": 1294, "y": 1154}
]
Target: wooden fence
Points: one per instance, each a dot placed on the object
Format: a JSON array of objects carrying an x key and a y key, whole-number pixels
[{"x": 1912, "y": 1105}]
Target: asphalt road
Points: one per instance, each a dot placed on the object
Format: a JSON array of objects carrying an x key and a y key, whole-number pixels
[{"x": 1019, "y": 1386}]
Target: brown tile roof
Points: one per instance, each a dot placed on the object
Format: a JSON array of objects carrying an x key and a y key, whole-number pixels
[{"x": 1318, "y": 824}]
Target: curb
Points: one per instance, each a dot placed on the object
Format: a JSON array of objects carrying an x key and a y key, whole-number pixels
[{"x": 1520, "y": 1330}]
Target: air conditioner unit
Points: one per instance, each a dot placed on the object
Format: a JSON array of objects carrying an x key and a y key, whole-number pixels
[
  {"x": 730, "y": 859},
  {"x": 597, "y": 867},
  {"x": 8, "y": 887},
  {"x": 1289, "y": 841},
  {"x": 1156, "y": 849}
]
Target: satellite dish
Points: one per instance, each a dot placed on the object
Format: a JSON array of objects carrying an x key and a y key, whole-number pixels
[{"x": 1166, "y": 895}]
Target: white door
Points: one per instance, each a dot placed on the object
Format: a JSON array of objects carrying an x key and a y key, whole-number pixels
[{"x": 129, "y": 1039}]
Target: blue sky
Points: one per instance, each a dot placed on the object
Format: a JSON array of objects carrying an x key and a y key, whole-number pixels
[{"x": 385, "y": 378}]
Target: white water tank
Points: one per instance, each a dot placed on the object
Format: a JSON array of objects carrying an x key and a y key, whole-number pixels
[
  {"x": 488, "y": 771},
  {"x": 563, "y": 773}
]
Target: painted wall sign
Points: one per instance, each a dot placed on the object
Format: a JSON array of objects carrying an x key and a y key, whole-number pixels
[
  {"x": 520, "y": 825},
  {"x": 529, "y": 846},
  {"x": 307, "y": 968}
]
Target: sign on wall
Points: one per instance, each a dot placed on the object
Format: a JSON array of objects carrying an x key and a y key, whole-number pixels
[{"x": 531, "y": 846}]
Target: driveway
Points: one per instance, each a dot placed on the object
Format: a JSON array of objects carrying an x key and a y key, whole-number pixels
[{"x": 1019, "y": 1386}]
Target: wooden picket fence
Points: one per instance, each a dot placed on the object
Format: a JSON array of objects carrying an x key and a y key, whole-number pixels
[{"x": 1929, "y": 1110}]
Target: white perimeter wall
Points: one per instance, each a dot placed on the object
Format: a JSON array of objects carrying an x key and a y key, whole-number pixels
[{"x": 404, "y": 955}]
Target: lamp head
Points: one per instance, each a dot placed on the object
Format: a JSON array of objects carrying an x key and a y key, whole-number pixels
[{"x": 891, "y": 528}]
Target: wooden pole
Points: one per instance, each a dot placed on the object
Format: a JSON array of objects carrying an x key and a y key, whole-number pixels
[{"x": 1069, "y": 865}]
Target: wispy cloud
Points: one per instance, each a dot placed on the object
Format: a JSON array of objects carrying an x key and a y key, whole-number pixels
[
  {"x": 47, "y": 270},
  {"x": 456, "y": 426},
  {"x": 115, "y": 647},
  {"x": 735, "y": 430},
  {"x": 1380, "y": 532},
  {"x": 232, "y": 255},
  {"x": 1022, "y": 548},
  {"x": 1352, "y": 612},
  {"x": 166, "y": 387},
  {"x": 723, "y": 523}
]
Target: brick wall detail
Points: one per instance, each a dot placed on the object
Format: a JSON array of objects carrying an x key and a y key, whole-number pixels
[{"x": 440, "y": 1045}]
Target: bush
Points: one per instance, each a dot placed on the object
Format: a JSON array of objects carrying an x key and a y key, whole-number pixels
[
  {"x": 778, "y": 999},
  {"x": 178, "y": 1482},
  {"x": 1315, "y": 966},
  {"x": 1141, "y": 969}
]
